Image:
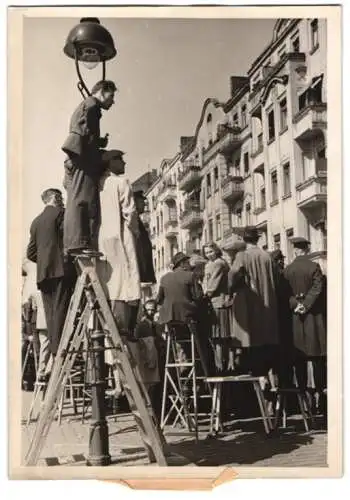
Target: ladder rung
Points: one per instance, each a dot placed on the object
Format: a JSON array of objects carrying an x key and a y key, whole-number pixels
[{"x": 173, "y": 365}]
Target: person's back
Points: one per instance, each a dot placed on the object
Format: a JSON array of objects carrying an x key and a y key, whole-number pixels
[
  {"x": 258, "y": 265},
  {"x": 178, "y": 293}
]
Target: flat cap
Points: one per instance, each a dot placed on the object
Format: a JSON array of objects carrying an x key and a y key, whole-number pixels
[{"x": 299, "y": 242}]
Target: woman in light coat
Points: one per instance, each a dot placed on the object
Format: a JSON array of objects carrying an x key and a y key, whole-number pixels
[{"x": 215, "y": 286}]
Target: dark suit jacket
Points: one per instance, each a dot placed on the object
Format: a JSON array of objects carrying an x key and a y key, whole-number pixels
[
  {"x": 46, "y": 244},
  {"x": 178, "y": 296}
]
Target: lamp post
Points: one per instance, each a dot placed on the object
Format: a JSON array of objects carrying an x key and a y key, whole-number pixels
[{"x": 89, "y": 43}]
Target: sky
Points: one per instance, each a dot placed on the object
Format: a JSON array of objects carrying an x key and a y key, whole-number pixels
[{"x": 164, "y": 70}]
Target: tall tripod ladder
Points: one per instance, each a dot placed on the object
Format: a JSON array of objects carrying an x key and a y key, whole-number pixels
[{"x": 88, "y": 296}]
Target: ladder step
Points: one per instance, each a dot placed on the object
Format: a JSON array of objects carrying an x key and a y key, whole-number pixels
[{"x": 174, "y": 365}]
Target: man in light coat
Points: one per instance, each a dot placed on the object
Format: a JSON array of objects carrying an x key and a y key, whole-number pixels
[{"x": 119, "y": 227}]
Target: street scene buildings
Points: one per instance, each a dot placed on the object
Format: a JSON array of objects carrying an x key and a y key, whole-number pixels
[{"x": 260, "y": 158}]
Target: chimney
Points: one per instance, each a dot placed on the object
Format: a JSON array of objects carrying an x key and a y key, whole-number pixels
[
  {"x": 237, "y": 82},
  {"x": 184, "y": 142}
]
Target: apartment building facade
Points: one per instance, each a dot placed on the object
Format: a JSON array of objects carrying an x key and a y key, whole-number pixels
[{"x": 257, "y": 159}]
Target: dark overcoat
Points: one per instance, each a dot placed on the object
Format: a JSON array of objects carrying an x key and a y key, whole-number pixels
[
  {"x": 144, "y": 255},
  {"x": 305, "y": 277},
  {"x": 178, "y": 297}
]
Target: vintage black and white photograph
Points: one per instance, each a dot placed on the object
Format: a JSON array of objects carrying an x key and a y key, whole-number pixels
[{"x": 173, "y": 239}]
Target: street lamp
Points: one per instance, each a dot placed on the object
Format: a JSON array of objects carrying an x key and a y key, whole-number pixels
[{"x": 89, "y": 43}]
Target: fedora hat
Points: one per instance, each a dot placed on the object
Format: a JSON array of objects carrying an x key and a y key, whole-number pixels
[{"x": 178, "y": 258}]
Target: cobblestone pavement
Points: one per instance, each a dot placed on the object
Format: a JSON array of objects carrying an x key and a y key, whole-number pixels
[{"x": 243, "y": 444}]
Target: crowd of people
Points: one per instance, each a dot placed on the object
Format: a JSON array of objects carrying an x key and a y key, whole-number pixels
[{"x": 250, "y": 314}]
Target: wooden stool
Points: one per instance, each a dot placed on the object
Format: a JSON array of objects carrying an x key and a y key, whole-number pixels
[
  {"x": 215, "y": 420},
  {"x": 303, "y": 403}
]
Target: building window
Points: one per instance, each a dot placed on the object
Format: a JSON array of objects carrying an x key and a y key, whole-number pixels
[
  {"x": 323, "y": 229},
  {"x": 274, "y": 187},
  {"x": 208, "y": 185},
  {"x": 163, "y": 258},
  {"x": 314, "y": 34},
  {"x": 244, "y": 116},
  {"x": 277, "y": 241},
  {"x": 296, "y": 44},
  {"x": 248, "y": 214},
  {"x": 286, "y": 179},
  {"x": 158, "y": 260},
  {"x": 210, "y": 230},
  {"x": 157, "y": 225},
  {"x": 218, "y": 227},
  {"x": 216, "y": 178},
  {"x": 235, "y": 120},
  {"x": 263, "y": 198},
  {"x": 271, "y": 125},
  {"x": 289, "y": 235},
  {"x": 161, "y": 222},
  {"x": 237, "y": 166},
  {"x": 283, "y": 114},
  {"x": 153, "y": 203},
  {"x": 155, "y": 263},
  {"x": 239, "y": 217},
  {"x": 246, "y": 163},
  {"x": 154, "y": 231},
  {"x": 205, "y": 236}
]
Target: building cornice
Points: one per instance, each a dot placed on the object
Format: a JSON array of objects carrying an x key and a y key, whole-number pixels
[
  {"x": 211, "y": 100},
  {"x": 272, "y": 45}
]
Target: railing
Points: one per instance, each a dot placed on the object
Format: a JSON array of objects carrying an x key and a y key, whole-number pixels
[
  {"x": 317, "y": 110},
  {"x": 227, "y": 139}
]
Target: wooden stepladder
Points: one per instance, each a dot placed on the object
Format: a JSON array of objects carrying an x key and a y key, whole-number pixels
[{"x": 89, "y": 295}]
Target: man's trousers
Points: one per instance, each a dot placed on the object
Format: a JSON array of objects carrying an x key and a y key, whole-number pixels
[
  {"x": 82, "y": 214},
  {"x": 56, "y": 294}
]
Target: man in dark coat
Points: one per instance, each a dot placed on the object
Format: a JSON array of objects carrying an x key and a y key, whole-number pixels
[
  {"x": 305, "y": 289},
  {"x": 143, "y": 244},
  {"x": 83, "y": 168},
  {"x": 178, "y": 293},
  {"x": 55, "y": 277}
]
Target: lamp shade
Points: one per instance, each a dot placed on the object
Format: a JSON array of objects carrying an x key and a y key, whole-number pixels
[{"x": 91, "y": 41}]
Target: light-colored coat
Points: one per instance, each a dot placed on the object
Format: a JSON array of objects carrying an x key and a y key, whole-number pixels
[
  {"x": 254, "y": 310},
  {"x": 118, "y": 269}
]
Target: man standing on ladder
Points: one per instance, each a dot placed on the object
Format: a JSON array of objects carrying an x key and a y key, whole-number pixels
[
  {"x": 83, "y": 169},
  {"x": 54, "y": 275}
]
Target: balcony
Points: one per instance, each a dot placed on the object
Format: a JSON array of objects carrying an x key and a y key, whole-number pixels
[
  {"x": 310, "y": 121},
  {"x": 170, "y": 228},
  {"x": 260, "y": 217},
  {"x": 167, "y": 191},
  {"x": 190, "y": 176},
  {"x": 228, "y": 140},
  {"x": 259, "y": 147},
  {"x": 232, "y": 189},
  {"x": 313, "y": 191},
  {"x": 232, "y": 237},
  {"x": 191, "y": 217}
]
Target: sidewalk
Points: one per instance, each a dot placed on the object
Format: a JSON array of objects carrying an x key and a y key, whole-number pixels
[{"x": 245, "y": 444}]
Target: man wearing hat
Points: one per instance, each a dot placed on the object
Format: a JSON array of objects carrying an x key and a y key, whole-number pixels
[
  {"x": 83, "y": 168},
  {"x": 119, "y": 228},
  {"x": 305, "y": 290},
  {"x": 143, "y": 243},
  {"x": 178, "y": 293}
]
